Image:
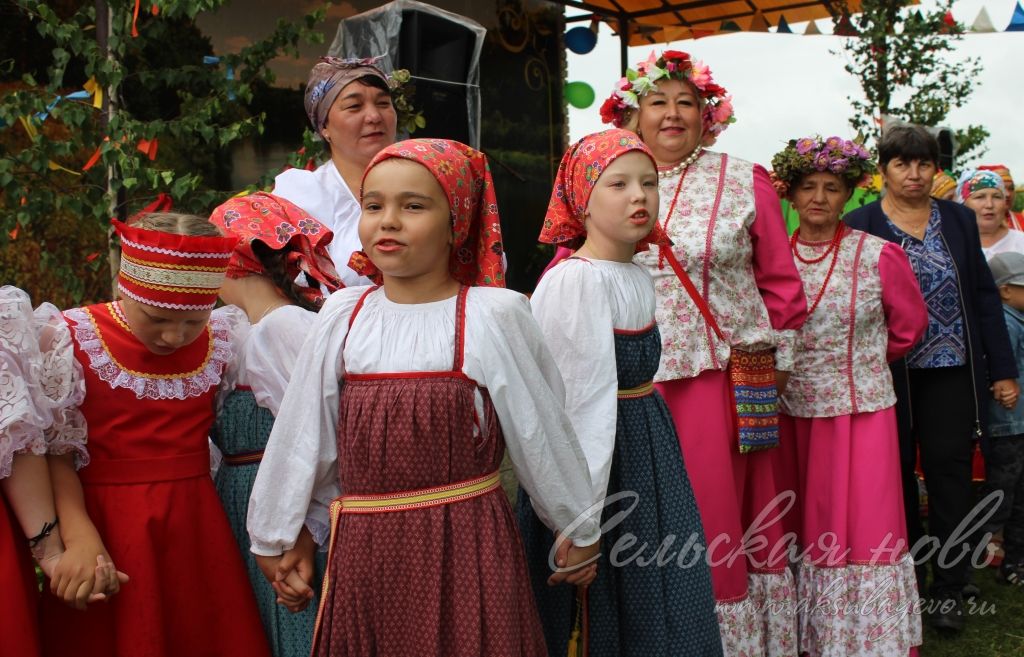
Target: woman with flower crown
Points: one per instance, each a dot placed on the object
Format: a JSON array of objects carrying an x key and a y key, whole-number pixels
[
  {"x": 745, "y": 301},
  {"x": 838, "y": 412},
  {"x": 348, "y": 102}
]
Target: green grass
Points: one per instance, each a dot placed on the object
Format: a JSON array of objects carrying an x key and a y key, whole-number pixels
[{"x": 994, "y": 628}]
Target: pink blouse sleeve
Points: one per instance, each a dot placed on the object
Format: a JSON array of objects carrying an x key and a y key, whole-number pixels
[
  {"x": 905, "y": 312},
  {"x": 774, "y": 269}
]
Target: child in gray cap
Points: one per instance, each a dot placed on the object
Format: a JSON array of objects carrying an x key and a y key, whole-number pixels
[{"x": 1004, "y": 460}]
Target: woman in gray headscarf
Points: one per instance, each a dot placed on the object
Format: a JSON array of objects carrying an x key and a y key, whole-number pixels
[{"x": 349, "y": 105}]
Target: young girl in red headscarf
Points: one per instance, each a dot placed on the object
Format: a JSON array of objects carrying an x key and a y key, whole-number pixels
[
  {"x": 652, "y": 594},
  {"x": 407, "y": 394},
  {"x": 279, "y": 274},
  {"x": 150, "y": 365}
]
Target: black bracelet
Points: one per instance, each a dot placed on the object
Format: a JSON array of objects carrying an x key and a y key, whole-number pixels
[{"x": 48, "y": 528}]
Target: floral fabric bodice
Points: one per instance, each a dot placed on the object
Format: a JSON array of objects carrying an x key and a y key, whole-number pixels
[
  {"x": 716, "y": 250},
  {"x": 841, "y": 365}
]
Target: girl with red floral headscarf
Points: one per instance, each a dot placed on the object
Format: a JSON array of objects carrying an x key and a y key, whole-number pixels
[
  {"x": 280, "y": 246},
  {"x": 596, "y": 311},
  {"x": 404, "y": 398}
]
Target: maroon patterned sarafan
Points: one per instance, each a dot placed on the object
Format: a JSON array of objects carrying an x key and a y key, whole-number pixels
[{"x": 447, "y": 580}]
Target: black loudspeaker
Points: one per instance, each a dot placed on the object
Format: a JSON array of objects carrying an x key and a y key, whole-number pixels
[
  {"x": 947, "y": 148},
  {"x": 437, "y": 53}
]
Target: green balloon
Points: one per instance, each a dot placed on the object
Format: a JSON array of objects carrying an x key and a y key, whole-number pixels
[{"x": 579, "y": 94}]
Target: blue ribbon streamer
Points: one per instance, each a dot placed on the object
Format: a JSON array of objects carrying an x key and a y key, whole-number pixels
[{"x": 78, "y": 95}]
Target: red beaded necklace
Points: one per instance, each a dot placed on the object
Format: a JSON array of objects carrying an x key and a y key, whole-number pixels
[
  {"x": 833, "y": 248},
  {"x": 810, "y": 261}
]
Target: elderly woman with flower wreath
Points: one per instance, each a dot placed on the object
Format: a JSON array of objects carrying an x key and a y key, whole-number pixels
[
  {"x": 736, "y": 324},
  {"x": 964, "y": 357},
  {"x": 838, "y": 411},
  {"x": 349, "y": 105}
]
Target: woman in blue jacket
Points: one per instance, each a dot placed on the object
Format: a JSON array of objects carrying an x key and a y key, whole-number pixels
[{"x": 942, "y": 386}]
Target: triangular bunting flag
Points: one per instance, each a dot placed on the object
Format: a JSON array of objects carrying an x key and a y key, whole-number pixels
[
  {"x": 812, "y": 28},
  {"x": 845, "y": 27},
  {"x": 983, "y": 23},
  {"x": 1017, "y": 20},
  {"x": 700, "y": 34},
  {"x": 729, "y": 26},
  {"x": 783, "y": 27},
  {"x": 758, "y": 23},
  {"x": 948, "y": 19}
]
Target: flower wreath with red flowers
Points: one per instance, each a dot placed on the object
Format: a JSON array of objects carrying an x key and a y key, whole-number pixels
[
  {"x": 845, "y": 158},
  {"x": 717, "y": 113}
]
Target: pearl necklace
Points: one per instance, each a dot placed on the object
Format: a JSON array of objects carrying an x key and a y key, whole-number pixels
[{"x": 679, "y": 168}]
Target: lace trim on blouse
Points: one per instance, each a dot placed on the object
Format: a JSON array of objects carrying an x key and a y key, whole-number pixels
[{"x": 147, "y": 385}]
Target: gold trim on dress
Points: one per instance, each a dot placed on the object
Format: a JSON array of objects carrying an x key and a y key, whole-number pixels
[{"x": 145, "y": 375}]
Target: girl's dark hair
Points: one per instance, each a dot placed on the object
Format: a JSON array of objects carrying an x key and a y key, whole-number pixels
[
  {"x": 907, "y": 142},
  {"x": 274, "y": 266}
]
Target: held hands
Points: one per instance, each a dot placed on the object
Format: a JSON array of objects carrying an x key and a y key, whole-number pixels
[
  {"x": 1006, "y": 392},
  {"x": 82, "y": 574},
  {"x": 291, "y": 573},
  {"x": 576, "y": 565}
]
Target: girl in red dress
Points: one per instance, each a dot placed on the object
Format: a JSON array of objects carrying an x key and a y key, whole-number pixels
[
  {"x": 150, "y": 365},
  {"x": 409, "y": 393}
]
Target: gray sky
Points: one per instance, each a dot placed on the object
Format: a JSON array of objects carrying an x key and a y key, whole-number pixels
[{"x": 787, "y": 86}]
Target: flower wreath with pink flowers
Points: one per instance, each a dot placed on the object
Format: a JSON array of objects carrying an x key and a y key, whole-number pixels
[
  {"x": 845, "y": 158},
  {"x": 717, "y": 112}
]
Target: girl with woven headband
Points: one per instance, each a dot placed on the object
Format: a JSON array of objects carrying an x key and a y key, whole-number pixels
[
  {"x": 279, "y": 244},
  {"x": 984, "y": 192},
  {"x": 348, "y": 102},
  {"x": 149, "y": 366},
  {"x": 407, "y": 394},
  {"x": 596, "y": 311}
]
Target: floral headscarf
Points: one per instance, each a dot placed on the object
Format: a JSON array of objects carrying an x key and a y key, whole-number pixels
[
  {"x": 328, "y": 78},
  {"x": 282, "y": 226},
  {"x": 1003, "y": 172},
  {"x": 717, "y": 113},
  {"x": 465, "y": 177},
  {"x": 972, "y": 180},
  {"x": 577, "y": 175}
]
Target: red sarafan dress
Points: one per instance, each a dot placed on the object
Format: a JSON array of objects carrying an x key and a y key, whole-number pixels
[
  {"x": 18, "y": 630},
  {"x": 148, "y": 490},
  {"x": 446, "y": 579}
]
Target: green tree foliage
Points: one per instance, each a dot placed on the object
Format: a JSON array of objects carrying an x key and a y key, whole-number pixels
[
  {"x": 53, "y": 214},
  {"x": 903, "y": 59}
]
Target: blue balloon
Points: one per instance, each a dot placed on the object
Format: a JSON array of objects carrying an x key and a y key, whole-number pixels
[{"x": 580, "y": 40}]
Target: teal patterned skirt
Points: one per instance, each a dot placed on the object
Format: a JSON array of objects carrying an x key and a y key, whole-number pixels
[{"x": 241, "y": 432}]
